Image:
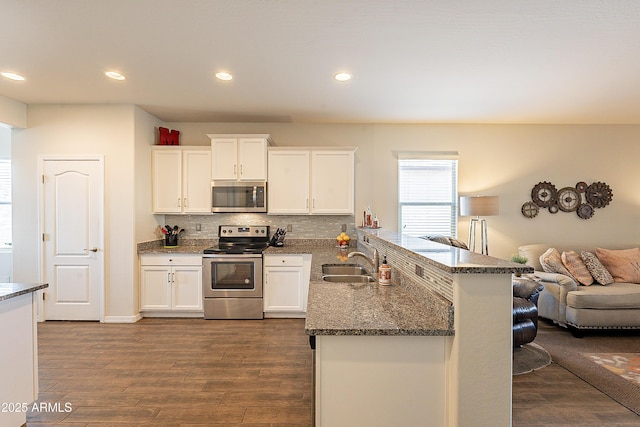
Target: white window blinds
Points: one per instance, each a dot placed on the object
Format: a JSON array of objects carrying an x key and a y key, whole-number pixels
[
  {"x": 5, "y": 203},
  {"x": 428, "y": 196}
]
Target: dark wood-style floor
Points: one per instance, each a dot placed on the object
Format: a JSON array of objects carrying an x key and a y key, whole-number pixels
[{"x": 190, "y": 372}]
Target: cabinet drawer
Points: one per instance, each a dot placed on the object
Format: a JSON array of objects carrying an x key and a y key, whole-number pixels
[
  {"x": 283, "y": 260},
  {"x": 170, "y": 259}
]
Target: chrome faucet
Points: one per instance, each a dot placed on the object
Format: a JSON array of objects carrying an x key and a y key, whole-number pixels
[{"x": 375, "y": 262}]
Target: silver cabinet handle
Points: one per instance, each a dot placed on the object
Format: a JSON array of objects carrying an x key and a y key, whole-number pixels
[
  {"x": 92, "y": 250},
  {"x": 185, "y": 203},
  {"x": 179, "y": 200}
]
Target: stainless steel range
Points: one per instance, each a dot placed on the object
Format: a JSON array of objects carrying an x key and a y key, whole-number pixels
[{"x": 232, "y": 273}]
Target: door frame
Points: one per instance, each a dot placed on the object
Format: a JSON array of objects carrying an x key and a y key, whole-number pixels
[{"x": 41, "y": 220}]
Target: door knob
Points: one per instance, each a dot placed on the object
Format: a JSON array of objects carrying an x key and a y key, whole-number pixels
[{"x": 92, "y": 249}]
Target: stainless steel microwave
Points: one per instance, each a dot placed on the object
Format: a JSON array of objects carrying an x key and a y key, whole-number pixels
[{"x": 238, "y": 196}]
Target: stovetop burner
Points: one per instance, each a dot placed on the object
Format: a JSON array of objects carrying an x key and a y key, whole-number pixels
[{"x": 238, "y": 240}]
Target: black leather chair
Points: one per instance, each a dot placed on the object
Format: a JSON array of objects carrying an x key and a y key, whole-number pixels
[
  {"x": 525, "y": 300},
  {"x": 525, "y": 310}
]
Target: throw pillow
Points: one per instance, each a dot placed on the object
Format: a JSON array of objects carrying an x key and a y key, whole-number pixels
[
  {"x": 595, "y": 267},
  {"x": 624, "y": 265},
  {"x": 551, "y": 262},
  {"x": 576, "y": 267}
]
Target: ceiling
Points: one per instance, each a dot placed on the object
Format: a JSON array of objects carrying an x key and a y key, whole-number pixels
[{"x": 420, "y": 61}]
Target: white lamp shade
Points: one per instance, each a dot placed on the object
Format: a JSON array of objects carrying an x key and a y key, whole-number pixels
[{"x": 479, "y": 206}]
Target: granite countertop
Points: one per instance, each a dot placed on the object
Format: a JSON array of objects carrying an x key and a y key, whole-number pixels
[
  {"x": 185, "y": 246},
  {"x": 363, "y": 309},
  {"x": 12, "y": 290},
  {"x": 372, "y": 309},
  {"x": 448, "y": 258}
]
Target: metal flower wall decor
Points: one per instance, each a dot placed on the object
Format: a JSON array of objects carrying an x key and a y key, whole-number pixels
[{"x": 582, "y": 199}]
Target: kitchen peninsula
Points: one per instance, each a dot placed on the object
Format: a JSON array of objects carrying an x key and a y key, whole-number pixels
[
  {"x": 432, "y": 349},
  {"x": 19, "y": 354}
]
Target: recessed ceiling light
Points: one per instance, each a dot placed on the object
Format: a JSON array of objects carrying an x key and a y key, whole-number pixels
[
  {"x": 342, "y": 77},
  {"x": 12, "y": 76},
  {"x": 114, "y": 75},
  {"x": 223, "y": 75}
]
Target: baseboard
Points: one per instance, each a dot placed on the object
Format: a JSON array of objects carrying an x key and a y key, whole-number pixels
[
  {"x": 123, "y": 319},
  {"x": 185, "y": 314},
  {"x": 284, "y": 315}
]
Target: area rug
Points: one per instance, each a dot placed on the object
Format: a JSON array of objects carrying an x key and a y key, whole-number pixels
[
  {"x": 572, "y": 354},
  {"x": 529, "y": 358},
  {"x": 626, "y": 365}
]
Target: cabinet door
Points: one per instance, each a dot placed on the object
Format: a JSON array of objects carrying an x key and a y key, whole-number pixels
[
  {"x": 166, "y": 170},
  {"x": 155, "y": 290},
  {"x": 283, "y": 289},
  {"x": 196, "y": 182},
  {"x": 332, "y": 178},
  {"x": 224, "y": 158},
  {"x": 288, "y": 182},
  {"x": 187, "y": 288},
  {"x": 252, "y": 159}
]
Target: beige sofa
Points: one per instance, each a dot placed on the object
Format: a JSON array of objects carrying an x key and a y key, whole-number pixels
[{"x": 565, "y": 302}]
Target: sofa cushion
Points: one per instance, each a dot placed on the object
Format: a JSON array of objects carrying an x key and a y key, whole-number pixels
[
  {"x": 576, "y": 267},
  {"x": 595, "y": 267},
  {"x": 614, "y": 296},
  {"x": 551, "y": 262},
  {"x": 624, "y": 265}
]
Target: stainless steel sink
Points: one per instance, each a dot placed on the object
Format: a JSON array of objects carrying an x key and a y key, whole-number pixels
[
  {"x": 348, "y": 278},
  {"x": 342, "y": 269}
]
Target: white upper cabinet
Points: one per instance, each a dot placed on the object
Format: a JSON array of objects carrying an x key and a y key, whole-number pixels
[
  {"x": 332, "y": 182},
  {"x": 316, "y": 181},
  {"x": 288, "y": 183},
  {"x": 239, "y": 157},
  {"x": 180, "y": 180}
]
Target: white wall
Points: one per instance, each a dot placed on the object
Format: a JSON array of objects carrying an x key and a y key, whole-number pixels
[
  {"x": 503, "y": 160},
  {"x": 12, "y": 113},
  {"x": 146, "y": 132},
  {"x": 106, "y": 130}
]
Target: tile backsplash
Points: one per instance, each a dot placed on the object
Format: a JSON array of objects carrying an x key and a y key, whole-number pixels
[{"x": 301, "y": 226}]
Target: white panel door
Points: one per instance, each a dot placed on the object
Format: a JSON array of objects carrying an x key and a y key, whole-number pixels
[{"x": 73, "y": 256}]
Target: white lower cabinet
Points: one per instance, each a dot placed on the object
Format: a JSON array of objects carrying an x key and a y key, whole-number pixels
[
  {"x": 170, "y": 283},
  {"x": 286, "y": 285}
]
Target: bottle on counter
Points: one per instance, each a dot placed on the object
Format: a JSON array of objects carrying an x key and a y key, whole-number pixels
[
  {"x": 384, "y": 273},
  {"x": 375, "y": 221}
]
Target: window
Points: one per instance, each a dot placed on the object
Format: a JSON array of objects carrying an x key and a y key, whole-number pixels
[
  {"x": 428, "y": 196},
  {"x": 5, "y": 203}
]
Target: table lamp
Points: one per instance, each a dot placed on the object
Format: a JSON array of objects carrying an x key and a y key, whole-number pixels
[{"x": 478, "y": 206}]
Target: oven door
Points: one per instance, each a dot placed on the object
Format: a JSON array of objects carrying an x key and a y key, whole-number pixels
[{"x": 232, "y": 276}]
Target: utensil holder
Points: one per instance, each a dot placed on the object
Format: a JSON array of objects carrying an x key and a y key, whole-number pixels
[{"x": 170, "y": 240}]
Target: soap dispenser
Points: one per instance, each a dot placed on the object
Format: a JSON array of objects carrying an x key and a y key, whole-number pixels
[{"x": 384, "y": 273}]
